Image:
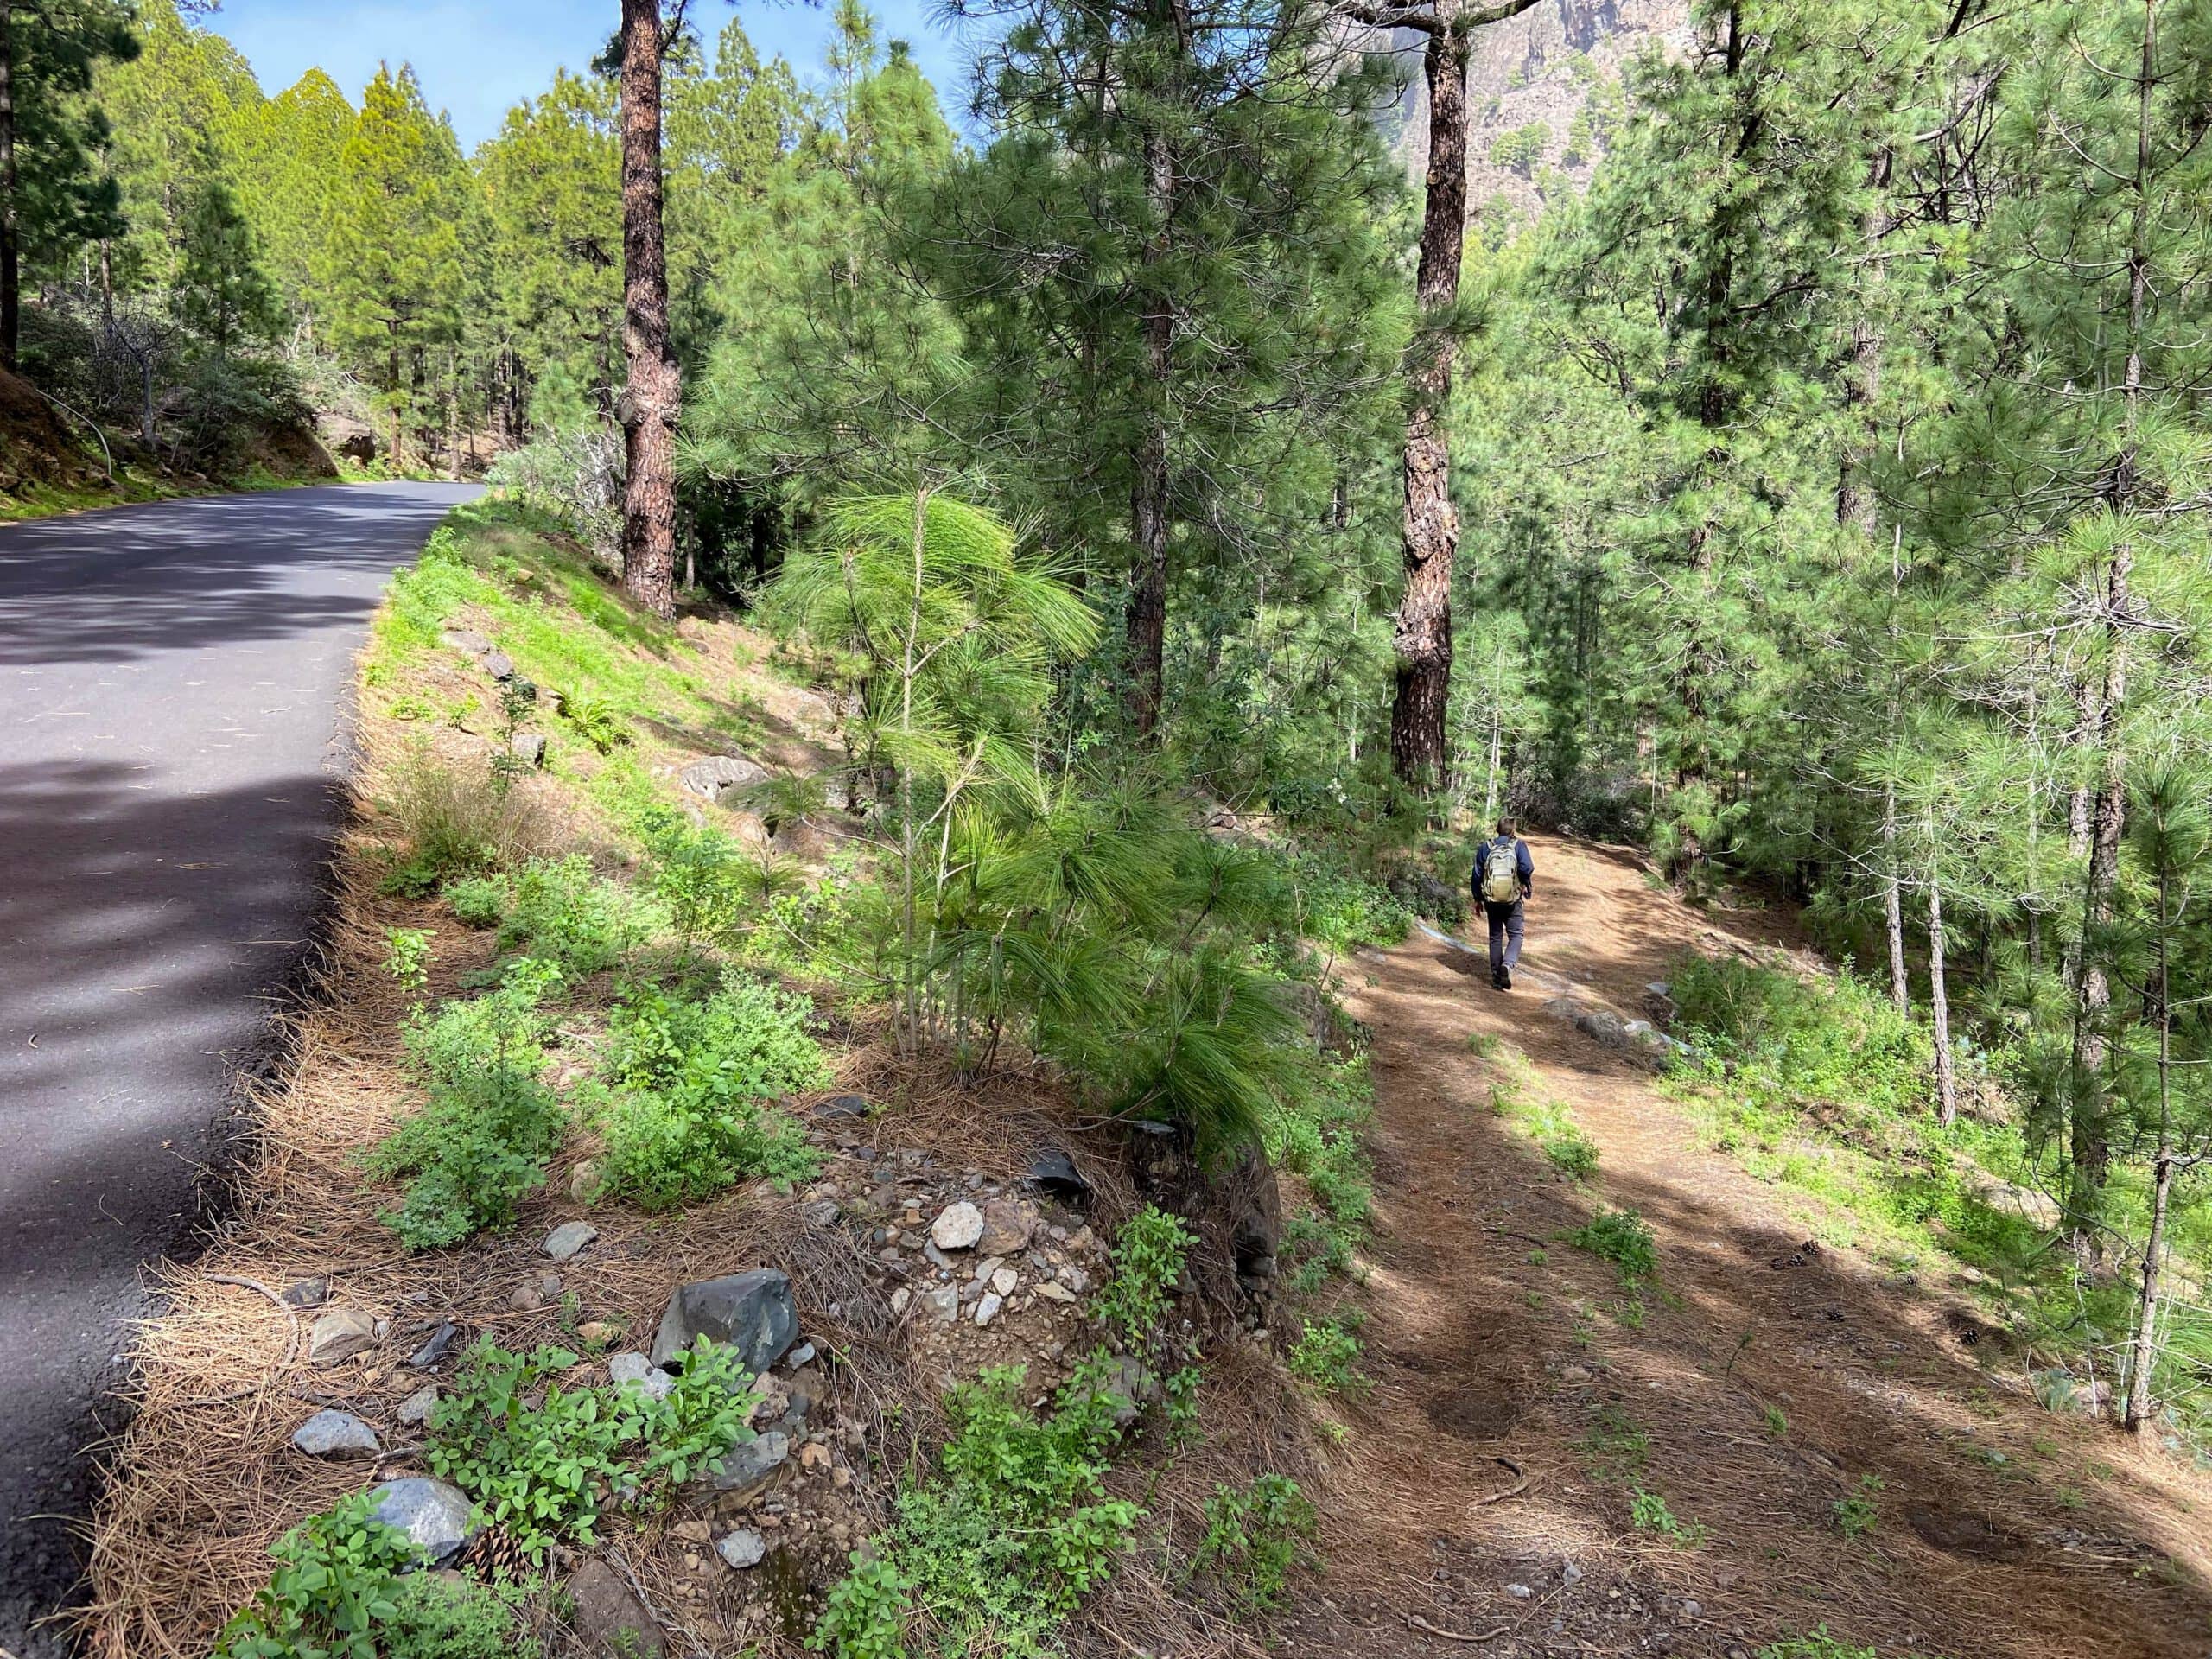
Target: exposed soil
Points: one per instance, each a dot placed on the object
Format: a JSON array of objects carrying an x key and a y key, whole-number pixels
[{"x": 1488, "y": 1475}]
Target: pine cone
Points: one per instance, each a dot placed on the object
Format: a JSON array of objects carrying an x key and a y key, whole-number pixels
[{"x": 493, "y": 1553}]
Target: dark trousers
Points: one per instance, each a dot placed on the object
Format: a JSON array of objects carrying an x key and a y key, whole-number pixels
[{"x": 1506, "y": 925}]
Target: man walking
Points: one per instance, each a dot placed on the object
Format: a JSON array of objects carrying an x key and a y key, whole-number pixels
[{"x": 1504, "y": 877}]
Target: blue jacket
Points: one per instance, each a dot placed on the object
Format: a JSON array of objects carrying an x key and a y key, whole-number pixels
[{"x": 1523, "y": 866}]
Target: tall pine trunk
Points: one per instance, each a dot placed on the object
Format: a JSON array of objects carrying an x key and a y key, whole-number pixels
[
  {"x": 1939, "y": 1000},
  {"x": 2145, "y": 1351},
  {"x": 652, "y": 400},
  {"x": 11, "y": 275},
  {"x": 2091, "y": 1130},
  {"x": 1422, "y": 640}
]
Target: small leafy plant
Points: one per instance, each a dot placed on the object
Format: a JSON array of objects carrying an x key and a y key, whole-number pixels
[
  {"x": 332, "y": 1586},
  {"x": 480, "y": 1144},
  {"x": 408, "y": 957},
  {"x": 1148, "y": 1254},
  {"x": 1326, "y": 1355},
  {"x": 1253, "y": 1539},
  {"x": 1859, "y": 1511},
  {"x": 1647, "y": 1512},
  {"x": 1624, "y": 1238}
]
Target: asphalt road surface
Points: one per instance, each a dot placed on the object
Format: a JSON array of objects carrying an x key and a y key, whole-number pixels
[{"x": 173, "y": 690}]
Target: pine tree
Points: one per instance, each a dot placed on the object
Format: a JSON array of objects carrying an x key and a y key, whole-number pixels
[{"x": 653, "y": 398}]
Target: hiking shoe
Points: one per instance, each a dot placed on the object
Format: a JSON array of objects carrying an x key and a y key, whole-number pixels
[{"x": 1505, "y": 981}]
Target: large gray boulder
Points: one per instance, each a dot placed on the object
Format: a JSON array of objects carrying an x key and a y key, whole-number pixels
[
  {"x": 711, "y": 779},
  {"x": 752, "y": 1312},
  {"x": 438, "y": 1518}
]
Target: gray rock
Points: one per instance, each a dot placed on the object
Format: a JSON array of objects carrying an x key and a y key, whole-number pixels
[
  {"x": 748, "y": 1467},
  {"x": 442, "y": 1342},
  {"x": 339, "y": 1335},
  {"x": 609, "y": 1617},
  {"x": 637, "y": 1369},
  {"x": 437, "y": 1518},
  {"x": 467, "y": 641},
  {"x": 415, "y": 1407},
  {"x": 801, "y": 1354},
  {"x": 336, "y": 1434},
  {"x": 988, "y": 1308},
  {"x": 1004, "y": 1280},
  {"x": 752, "y": 1312},
  {"x": 900, "y": 1299},
  {"x": 498, "y": 664},
  {"x": 823, "y": 1212},
  {"x": 306, "y": 1293},
  {"x": 957, "y": 1227},
  {"x": 711, "y": 777},
  {"x": 528, "y": 747},
  {"x": 942, "y": 1304},
  {"x": 742, "y": 1548},
  {"x": 842, "y": 1106},
  {"x": 1008, "y": 1225},
  {"x": 526, "y": 1299},
  {"x": 570, "y": 1236},
  {"x": 1052, "y": 1291}
]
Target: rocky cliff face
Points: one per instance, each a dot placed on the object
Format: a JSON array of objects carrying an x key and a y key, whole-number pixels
[{"x": 1544, "y": 88}]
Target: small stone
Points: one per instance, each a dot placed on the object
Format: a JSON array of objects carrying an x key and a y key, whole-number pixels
[
  {"x": 498, "y": 665},
  {"x": 415, "y": 1407},
  {"x": 900, "y": 1299},
  {"x": 942, "y": 1304},
  {"x": 339, "y": 1335},
  {"x": 749, "y": 1465},
  {"x": 598, "y": 1332},
  {"x": 1075, "y": 1279},
  {"x": 958, "y": 1226},
  {"x": 1052, "y": 1291},
  {"x": 548, "y": 1284},
  {"x": 608, "y": 1616},
  {"x": 823, "y": 1212},
  {"x": 1570, "y": 1574},
  {"x": 988, "y": 1309},
  {"x": 1004, "y": 1280},
  {"x": 742, "y": 1549},
  {"x": 306, "y": 1292},
  {"x": 1519, "y": 1591},
  {"x": 564, "y": 1241},
  {"x": 526, "y": 1299},
  {"x": 813, "y": 1456},
  {"x": 1693, "y": 1609},
  {"x": 442, "y": 1342},
  {"x": 934, "y": 1256},
  {"x": 635, "y": 1369},
  {"x": 752, "y": 1311},
  {"x": 1008, "y": 1225},
  {"x": 583, "y": 1180},
  {"x": 848, "y": 1107},
  {"x": 434, "y": 1516},
  {"x": 528, "y": 747},
  {"x": 799, "y": 1355},
  {"x": 710, "y": 777},
  {"x": 336, "y": 1434}
]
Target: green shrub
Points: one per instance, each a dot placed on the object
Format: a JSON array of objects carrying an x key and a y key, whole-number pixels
[
  {"x": 478, "y": 901},
  {"x": 332, "y": 1587},
  {"x": 408, "y": 957},
  {"x": 479, "y": 1145},
  {"x": 1615, "y": 1449},
  {"x": 1860, "y": 1511},
  {"x": 999, "y": 1545},
  {"x": 691, "y": 1112},
  {"x": 1253, "y": 1539},
  {"x": 698, "y": 874},
  {"x": 1647, "y": 1512},
  {"x": 1148, "y": 1256},
  {"x": 440, "y": 1618},
  {"x": 1326, "y": 1354},
  {"x": 1827, "y": 1040},
  {"x": 1622, "y": 1237},
  {"x": 599, "y": 720},
  {"x": 560, "y": 911},
  {"x": 540, "y": 1460},
  {"x": 1342, "y": 909}
]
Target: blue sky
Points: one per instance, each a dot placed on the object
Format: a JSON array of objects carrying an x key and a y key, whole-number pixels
[{"x": 476, "y": 60}]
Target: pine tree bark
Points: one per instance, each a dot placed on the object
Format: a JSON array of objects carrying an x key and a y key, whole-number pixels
[
  {"x": 651, "y": 400},
  {"x": 2145, "y": 1352},
  {"x": 11, "y": 275},
  {"x": 1423, "y": 638},
  {"x": 1939, "y": 1004}
]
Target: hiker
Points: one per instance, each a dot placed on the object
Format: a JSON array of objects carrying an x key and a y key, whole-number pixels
[{"x": 1504, "y": 877}]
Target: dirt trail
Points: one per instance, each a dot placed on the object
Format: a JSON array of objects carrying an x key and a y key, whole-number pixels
[{"x": 1499, "y": 1353}]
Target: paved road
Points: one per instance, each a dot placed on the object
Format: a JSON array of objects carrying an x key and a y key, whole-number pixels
[{"x": 172, "y": 686}]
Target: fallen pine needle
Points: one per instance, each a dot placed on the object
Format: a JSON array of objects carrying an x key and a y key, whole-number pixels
[{"x": 1421, "y": 1624}]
